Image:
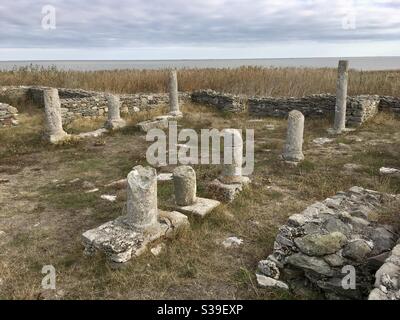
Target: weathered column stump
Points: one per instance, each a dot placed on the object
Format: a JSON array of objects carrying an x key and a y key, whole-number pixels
[
  {"x": 128, "y": 236},
  {"x": 231, "y": 182},
  {"x": 186, "y": 199},
  {"x": 339, "y": 125},
  {"x": 173, "y": 94},
  {"x": 293, "y": 150},
  {"x": 114, "y": 117},
  {"x": 52, "y": 106}
]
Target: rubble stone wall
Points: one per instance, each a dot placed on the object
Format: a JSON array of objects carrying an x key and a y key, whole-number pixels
[
  {"x": 8, "y": 115},
  {"x": 82, "y": 103},
  {"x": 317, "y": 248}
]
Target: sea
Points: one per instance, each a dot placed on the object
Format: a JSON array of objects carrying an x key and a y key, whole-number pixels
[{"x": 359, "y": 63}]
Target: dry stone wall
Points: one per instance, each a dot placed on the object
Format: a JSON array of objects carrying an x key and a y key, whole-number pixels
[
  {"x": 340, "y": 233},
  {"x": 224, "y": 102},
  {"x": 359, "y": 108},
  {"x": 8, "y": 115},
  {"x": 82, "y": 103}
]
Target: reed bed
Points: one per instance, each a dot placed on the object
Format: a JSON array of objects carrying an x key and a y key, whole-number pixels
[{"x": 245, "y": 80}]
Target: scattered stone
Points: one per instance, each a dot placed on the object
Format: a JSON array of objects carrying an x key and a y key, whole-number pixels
[
  {"x": 322, "y": 141},
  {"x": 92, "y": 190},
  {"x": 232, "y": 242},
  {"x": 157, "y": 249},
  {"x": 350, "y": 168},
  {"x": 93, "y": 134},
  {"x": 147, "y": 125},
  {"x": 119, "y": 184},
  {"x": 107, "y": 197},
  {"x": 267, "y": 282},
  {"x": 269, "y": 268},
  {"x": 389, "y": 171},
  {"x": 165, "y": 177},
  {"x": 4, "y": 181}
]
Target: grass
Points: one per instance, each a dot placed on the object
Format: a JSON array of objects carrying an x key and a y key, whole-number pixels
[
  {"x": 245, "y": 80},
  {"x": 44, "y": 214}
]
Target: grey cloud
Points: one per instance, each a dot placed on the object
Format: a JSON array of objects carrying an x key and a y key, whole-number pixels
[{"x": 137, "y": 23}]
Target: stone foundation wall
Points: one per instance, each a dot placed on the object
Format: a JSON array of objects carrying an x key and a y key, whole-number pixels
[
  {"x": 312, "y": 249},
  {"x": 224, "y": 102},
  {"x": 391, "y": 104},
  {"x": 8, "y": 115},
  {"x": 82, "y": 103},
  {"x": 359, "y": 110}
]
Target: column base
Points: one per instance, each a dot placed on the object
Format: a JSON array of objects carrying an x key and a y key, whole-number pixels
[
  {"x": 200, "y": 208},
  {"x": 147, "y": 125},
  {"x": 227, "y": 192},
  {"x": 297, "y": 157},
  {"x": 333, "y": 131},
  {"x": 58, "y": 138},
  {"x": 115, "y": 124},
  {"x": 120, "y": 242}
]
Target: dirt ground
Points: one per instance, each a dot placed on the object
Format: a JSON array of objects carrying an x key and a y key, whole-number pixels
[{"x": 45, "y": 207}]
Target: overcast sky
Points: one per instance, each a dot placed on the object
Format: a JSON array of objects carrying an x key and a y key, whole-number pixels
[{"x": 195, "y": 29}]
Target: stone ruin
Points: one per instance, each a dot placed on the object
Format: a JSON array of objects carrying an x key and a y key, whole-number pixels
[
  {"x": 161, "y": 122},
  {"x": 231, "y": 182},
  {"x": 293, "y": 151},
  {"x": 54, "y": 129},
  {"x": 314, "y": 247},
  {"x": 186, "y": 198},
  {"x": 114, "y": 120},
  {"x": 341, "y": 97},
  {"x": 129, "y": 235},
  {"x": 8, "y": 115}
]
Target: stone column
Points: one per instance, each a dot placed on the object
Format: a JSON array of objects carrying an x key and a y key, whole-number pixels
[
  {"x": 293, "y": 150},
  {"x": 173, "y": 94},
  {"x": 341, "y": 96},
  {"x": 233, "y": 156},
  {"x": 142, "y": 212},
  {"x": 52, "y": 106},
  {"x": 185, "y": 186},
  {"x": 114, "y": 118}
]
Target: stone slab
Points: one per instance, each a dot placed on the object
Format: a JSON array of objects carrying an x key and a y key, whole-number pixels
[
  {"x": 121, "y": 243},
  {"x": 93, "y": 134},
  {"x": 201, "y": 207},
  {"x": 147, "y": 125},
  {"x": 227, "y": 192}
]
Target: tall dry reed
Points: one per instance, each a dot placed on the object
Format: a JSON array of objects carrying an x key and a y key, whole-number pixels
[{"x": 245, "y": 80}]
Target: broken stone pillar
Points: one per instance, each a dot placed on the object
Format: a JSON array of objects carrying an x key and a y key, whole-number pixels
[
  {"x": 52, "y": 105},
  {"x": 233, "y": 156},
  {"x": 128, "y": 236},
  {"x": 185, "y": 185},
  {"x": 341, "y": 97},
  {"x": 114, "y": 117},
  {"x": 185, "y": 193},
  {"x": 173, "y": 94},
  {"x": 293, "y": 150},
  {"x": 142, "y": 198},
  {"x": 231, "y": 182}
]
